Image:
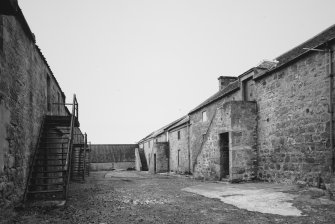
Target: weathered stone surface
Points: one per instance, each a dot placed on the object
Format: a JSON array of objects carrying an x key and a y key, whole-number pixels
[
  {"x": 179, "y": 148},
  {"x": 24, "y": 95},
  {"x": 238, "y": 118},
  {"x": 159, "y": 158},
  {"x": 293, "y": 120}
]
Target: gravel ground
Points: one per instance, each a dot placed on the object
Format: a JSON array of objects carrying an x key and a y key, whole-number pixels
[{"x": 138, "y": 197}]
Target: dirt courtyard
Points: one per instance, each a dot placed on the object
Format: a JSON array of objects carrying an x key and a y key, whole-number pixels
[{"x": 139, "y": 197}]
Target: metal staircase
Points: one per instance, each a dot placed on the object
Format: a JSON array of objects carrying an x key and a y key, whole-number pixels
[{"x": 50, "y": 168}]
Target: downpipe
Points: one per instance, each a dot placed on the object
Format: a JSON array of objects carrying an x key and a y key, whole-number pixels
[{"x": 331, "y": 109}]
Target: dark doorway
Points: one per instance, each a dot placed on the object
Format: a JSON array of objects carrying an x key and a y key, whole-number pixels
[
  {"x": 224, "y": 155},
  {"x": 155, "y": 163}
]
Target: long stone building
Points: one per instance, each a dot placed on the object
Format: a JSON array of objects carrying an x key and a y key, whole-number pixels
[
  {"x": 29, "y": 92},
  {"x": 274, "y": 122}
]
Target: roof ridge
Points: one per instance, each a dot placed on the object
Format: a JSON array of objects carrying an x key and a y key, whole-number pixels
[{"x": 308, "y": 40}]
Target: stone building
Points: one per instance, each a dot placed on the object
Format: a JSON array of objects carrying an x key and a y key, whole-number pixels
[
  {"x": 112, "y": 156},
  {"x": 28, "y": 92},
  {"x": 179, "y": 156},
  {"x": 274, "y": 122},
  {"x": 156, "y": 149}
]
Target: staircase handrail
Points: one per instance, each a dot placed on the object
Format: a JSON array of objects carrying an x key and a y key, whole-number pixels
[
  {"x": 204, "y": 139},
  {"x": 32, "y": 161},
  {"x": 67, "y": 167}
]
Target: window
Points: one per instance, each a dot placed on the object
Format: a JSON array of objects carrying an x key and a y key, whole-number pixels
[
  {"x": 149, "y": 143},
  {"x": 178, "y": 156},
  {"x": 178, "y": 135},
  {"x": 204, "y": 116}
]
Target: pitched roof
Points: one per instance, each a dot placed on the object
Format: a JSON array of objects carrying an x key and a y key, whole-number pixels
[
  {"x": 301, "y": 50},
  {"x": 159, "y": 131},
  {"x": 325, "y": 36},
  {"x": 145, "y": 138},
  {"x": 163, "y": 129},
  {"x": 104, "y": 153},
  {"x": 269, "y": 67},
  {"x": 232, "y": 87},
  {"x": 185, "y": 120}
]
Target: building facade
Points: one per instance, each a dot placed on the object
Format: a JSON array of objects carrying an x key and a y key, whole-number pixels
[
  {"x": 28, "y": 92},
  {"x": 112, "y": 156},
  {"x": 274, "y": 122}
]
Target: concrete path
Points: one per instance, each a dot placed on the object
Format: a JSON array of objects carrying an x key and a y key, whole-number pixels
[{"x": 257, "y": 197}]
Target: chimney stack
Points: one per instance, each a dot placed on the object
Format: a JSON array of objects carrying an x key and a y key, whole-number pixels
[{"x": 224, "y": 81}]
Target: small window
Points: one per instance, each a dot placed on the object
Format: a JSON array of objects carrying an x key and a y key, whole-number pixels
[
  {"x": 178, "y": 156},
  {"x": 204, "y": 116},
  {"x": 178, "y": 135},
  {"x": 149, "y": 143}
]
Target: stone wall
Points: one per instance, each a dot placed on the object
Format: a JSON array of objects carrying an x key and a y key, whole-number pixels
[
  {"x": 198, "y": 128},
  {"x": 23, "y": 103},
  {"x": 108, "y": 153},
  {"x": 181, "y": 146},
  {"x": 112, "y": 166},
  {"x": 239, "y": 119},
  {"x": 148, "y": 149},
  {"x": 161, "y": 151},
  {"x": 293, "y": 124},
  {"x": 138, "y": 163},
  {"x": 161, "y": 138}
]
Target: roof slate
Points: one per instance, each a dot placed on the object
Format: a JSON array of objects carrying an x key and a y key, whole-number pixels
[
  {"x": 321, "y": 38},
  {"x": 180, "y": 123},
  {"x": 104, "y": 153}
]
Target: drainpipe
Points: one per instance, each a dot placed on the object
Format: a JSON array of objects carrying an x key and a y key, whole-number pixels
[
  {"x": 330, "y": 51},
  {"x": 188, "y": 148},
  {"x": 331, "y": 110}
]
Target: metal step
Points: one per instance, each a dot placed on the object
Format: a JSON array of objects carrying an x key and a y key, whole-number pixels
[
  {"x": 50, "y": 171},
  {"x": 49, "y": 165},
  {"x": 45, "y": 191},
  {"x": 49, "y": 184},
  {"x": 47, "y": 178}
]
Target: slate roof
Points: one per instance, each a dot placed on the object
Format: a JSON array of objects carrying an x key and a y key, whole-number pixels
[
  {"x": 106, "y": 153},
  {"x": 163, "y": 129},
  {"x": 319, "y": 39},
  {"x": 232, "y": 87},
  {"x": 180, "y": 123},
  {"x": 160, "y": 131},
  {"x": 289, "y": 56}
]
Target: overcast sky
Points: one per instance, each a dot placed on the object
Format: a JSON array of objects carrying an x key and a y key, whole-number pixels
[{"x": 137, "y": 65}]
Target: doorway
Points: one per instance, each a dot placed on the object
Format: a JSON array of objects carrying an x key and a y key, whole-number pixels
[
  {"x": 155, "y": 169},
  {"x": 224, "y": 155}
]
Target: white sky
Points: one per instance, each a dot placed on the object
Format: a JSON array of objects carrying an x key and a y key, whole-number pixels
[{"x": 137, "y": 65}]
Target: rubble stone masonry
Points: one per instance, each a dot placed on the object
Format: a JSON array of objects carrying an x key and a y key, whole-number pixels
[
  {"x": 23, "y": 102},
  {"x": 238, "y": 118},
  {"x": 198, "y": 127},
  {"x": 294, "y": 122},
  {"x": 179, "y": 148}
]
